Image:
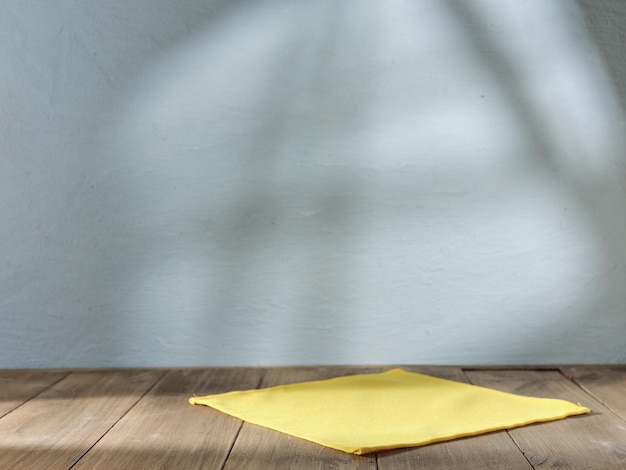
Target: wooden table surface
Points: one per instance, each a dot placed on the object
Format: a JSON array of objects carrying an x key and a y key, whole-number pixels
[{"x": 136, "y": 419}]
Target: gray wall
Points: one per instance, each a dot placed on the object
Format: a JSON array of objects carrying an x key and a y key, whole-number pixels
[{"x": 303, "y": 182}]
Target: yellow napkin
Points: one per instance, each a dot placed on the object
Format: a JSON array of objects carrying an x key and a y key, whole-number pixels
[{"x": 371, "y": 412}]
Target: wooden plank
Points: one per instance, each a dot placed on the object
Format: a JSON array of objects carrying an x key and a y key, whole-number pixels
[
  {"x": 597, "y": 440},
  {"x": 606, "y": 384},
  {"x": 488, "y": 451},
  {"x": 67, "y": 416},
  {"x": 57, "y": 427},
  {"x": 18, "y": 386},
  {"x": 260, "y": 448},
  {"x": 163, "y": 431}
]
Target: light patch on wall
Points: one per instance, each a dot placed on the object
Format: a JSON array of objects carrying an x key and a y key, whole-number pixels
[{"x": 332, "y": 165}]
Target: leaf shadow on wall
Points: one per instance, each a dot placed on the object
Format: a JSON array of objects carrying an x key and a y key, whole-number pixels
[
  {"x": 271, "y": 224},
  {"x": 595, "y": 182}
]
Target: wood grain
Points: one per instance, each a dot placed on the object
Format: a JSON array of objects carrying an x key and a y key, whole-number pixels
[
  {"x": 57, "y": 427},
  {"x": 165, "y": 432},
  {"x": 141, "y": 419},
  {"x": 597, "y": 440},
  {"x": 606, "y": 384},
  {"x": 18, "y": 386}
]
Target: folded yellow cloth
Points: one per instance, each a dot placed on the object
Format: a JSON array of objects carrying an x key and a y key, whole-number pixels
[{"x": 370, "y": 412}]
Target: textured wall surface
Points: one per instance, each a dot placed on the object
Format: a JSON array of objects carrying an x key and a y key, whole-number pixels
[{"x": 280, "y": 182}]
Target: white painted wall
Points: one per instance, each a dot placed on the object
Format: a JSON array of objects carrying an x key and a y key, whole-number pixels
[{"x": 303, "y": 182}]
